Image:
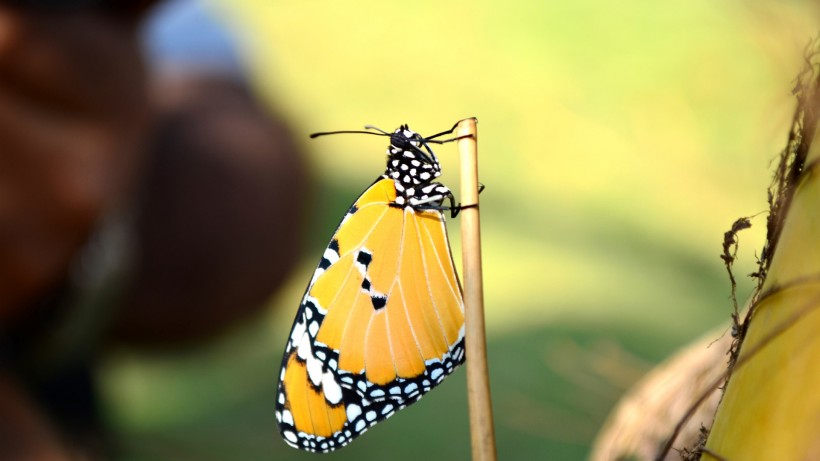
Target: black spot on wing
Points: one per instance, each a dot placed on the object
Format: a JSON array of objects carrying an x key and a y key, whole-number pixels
[
  {"x": 334, "y": 245},
  {"x": 364, "y": 258},
  {"x": 379, "y": 301}
]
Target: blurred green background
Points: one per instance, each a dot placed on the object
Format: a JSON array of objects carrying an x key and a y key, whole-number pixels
[{"x": 617, "y": 143}]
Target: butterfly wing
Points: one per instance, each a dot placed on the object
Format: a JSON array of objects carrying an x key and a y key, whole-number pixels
[{"x": 381, "y": 323}]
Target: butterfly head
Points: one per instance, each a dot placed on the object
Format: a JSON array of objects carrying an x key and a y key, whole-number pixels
[
  {"x": 410, "y": 161},
  {"x": 405, "y": 138}
]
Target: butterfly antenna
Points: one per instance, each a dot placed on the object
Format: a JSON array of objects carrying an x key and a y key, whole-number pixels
[
  {"x": 367, "y": 127},
  {"x": 371, "y": 127}
]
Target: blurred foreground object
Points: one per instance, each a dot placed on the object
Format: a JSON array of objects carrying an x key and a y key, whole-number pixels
[
  {"x": 73, "y": 121},
  {"x": 219, "y": 212},
  {"x": 72, "y": 117},
  {"x": 647, "y": 415},
  {"x": 771, "y": 407},
  {"x": 200, "y": 186}
]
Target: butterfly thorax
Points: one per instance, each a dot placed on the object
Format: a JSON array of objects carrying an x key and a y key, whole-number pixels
[{"x": 413, "y": 166}]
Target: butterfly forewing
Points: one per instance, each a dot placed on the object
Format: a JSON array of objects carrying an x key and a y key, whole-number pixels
[{"x": 381, "y": 323}]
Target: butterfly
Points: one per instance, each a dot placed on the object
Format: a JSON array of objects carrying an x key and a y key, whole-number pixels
[{"x": 382, "y": 320}]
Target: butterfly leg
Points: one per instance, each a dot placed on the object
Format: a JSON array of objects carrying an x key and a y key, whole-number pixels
[
  {"x": 455, "y": 210},
  {"x": 453, "y": 207},
  {"x": 442, "y": 141}
]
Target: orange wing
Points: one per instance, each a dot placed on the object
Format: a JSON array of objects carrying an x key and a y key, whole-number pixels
[{"x": 381, "y": 323}]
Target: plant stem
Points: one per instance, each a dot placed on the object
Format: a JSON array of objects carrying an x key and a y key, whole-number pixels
[{"x": 478, "y": 382}]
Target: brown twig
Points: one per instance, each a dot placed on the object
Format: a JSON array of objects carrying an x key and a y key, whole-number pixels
[{"x": 730, "y": 246}]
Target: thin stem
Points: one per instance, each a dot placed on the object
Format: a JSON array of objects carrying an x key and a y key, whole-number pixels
[{"x": 478, "y": 382}]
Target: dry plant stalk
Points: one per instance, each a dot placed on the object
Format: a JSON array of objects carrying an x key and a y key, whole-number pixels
[
  {"x": 771, "y": 406},
  {"x": 478, "y": 382}
]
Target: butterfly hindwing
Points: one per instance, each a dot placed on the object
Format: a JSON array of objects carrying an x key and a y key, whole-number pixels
[{"x": 381, "y": 323}]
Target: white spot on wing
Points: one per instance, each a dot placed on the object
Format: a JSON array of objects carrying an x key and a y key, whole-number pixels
[
  {"x": 297, "y": 333},
  {"x": 360, "y": 425},
  {"x": 314, "y": 369},
  {"x": 304, "y": 351},
  {"x": 331, "y": 255},
  {"x": 318, "y": 272},
  {"x": 353, "y": 412},
  {"x": 333, "y": 392},
  {"x": 436, "y": 374}
]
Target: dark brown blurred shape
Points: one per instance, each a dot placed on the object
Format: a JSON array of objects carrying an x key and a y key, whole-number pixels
[
  {"x": 24, "y": 434},
  {"x": 213, "y": 182},
  {"x": 219, "y": 217},
  {"x": 72, "y": 112}
]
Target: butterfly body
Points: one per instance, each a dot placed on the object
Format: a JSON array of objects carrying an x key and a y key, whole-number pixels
[{"x": 382, "y": 320}]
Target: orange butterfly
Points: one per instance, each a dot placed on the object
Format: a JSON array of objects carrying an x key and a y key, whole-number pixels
[{"x": 382, "y": 320}]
